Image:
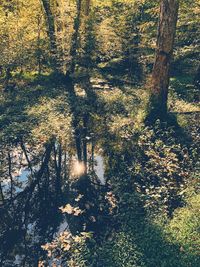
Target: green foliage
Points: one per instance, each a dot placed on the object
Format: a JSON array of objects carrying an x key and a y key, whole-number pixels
[
  {"x": 141, "y": 242},
  {"x": 70, "y": 249},
  {"x": 52, "y": 119},
  {"x": 165, "y": 170},
  {"x": 187, "y": 40},
  {"x": 183, "y": 229},
  {"x": 22, "y": 35},
  {"x": 183, "y": 94},
  {"x": 120, "y": 250}
]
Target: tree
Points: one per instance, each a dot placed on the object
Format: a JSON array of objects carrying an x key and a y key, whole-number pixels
[
  {"x": 19, "y": 38},
  {"x": 75, "y": 39},
  {"x": 51, "y": 33},
  {"x": 164, "y": 53},
  {"x": 87, "y": 7}
]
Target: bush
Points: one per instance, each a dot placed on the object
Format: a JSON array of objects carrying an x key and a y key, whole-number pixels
[{"x": 163, "y": 172}]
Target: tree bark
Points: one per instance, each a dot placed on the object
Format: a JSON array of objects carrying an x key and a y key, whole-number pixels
[
  {"x": 164, "y": 53},
  {"x": 39, "y": 63},
  {"x": 51, "y": 34},
  {"x": 74, "y": 42},
  {"x": 87, "y": 7}
]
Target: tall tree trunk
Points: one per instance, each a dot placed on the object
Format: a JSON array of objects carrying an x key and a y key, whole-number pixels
[
  {"x": 38, "y": 44},
  {"x": 51, "y": 34},
  {"x": 87, "y": 7},
  {"x": 164, "y": 53},
  {"x": 74, "y": 42}
]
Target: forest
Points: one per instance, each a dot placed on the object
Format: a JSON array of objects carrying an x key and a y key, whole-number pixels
[{"x": 99, "y": 133}]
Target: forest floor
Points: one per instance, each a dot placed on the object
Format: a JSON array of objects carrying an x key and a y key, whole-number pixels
[{"x": 38, "y": 108}]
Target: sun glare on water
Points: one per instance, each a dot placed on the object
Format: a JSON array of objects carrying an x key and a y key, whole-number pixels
[{"x": 78, "y": 168}]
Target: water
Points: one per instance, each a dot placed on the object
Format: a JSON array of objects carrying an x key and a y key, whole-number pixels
[
  {"x": 99, "y": 169},
  {"x": 34, "y": 217},
  {"x": 20, "y": 180}
]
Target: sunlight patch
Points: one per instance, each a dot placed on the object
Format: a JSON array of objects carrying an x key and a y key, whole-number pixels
[{"x": 78, "y": 168}]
